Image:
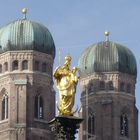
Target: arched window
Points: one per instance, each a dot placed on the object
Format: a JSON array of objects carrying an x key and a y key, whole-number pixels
[
  {"x": 128, "y": 88},
  {"x": 25, "y": 65},
  {"x": 122, "y": 86},
  {"x": 110, "y": 85},
  {"x": 6, "y": 66},
  {"x": 44, "y": 67},
  {"x": 15, "y": 65},
  {"x": 90, "y": 88},
  {"x": 36, "y": 65},
  {"x": 49, "y": 68},
  {"x": 4, "y": 107},
  {"x": 102, "y": 85},
  {"x": 123, "y": 125},
  {"x": 0, "y": 68},
  {"x": 38, "y": 110},
  {"x": 91, "y": 126}
]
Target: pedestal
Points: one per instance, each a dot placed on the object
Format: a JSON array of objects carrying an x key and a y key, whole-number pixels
[{"x": 65, "y": 127}]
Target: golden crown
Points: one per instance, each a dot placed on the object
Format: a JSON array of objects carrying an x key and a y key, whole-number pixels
[{"x": 68, "y": 58}]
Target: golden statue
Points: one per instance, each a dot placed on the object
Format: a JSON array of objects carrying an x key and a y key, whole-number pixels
[{"x": 66, "y": 81}]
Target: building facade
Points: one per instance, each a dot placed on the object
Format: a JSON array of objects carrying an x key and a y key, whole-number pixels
[
  {"x": 27, "y": 98},
  {"x": 108, "y": 75}
]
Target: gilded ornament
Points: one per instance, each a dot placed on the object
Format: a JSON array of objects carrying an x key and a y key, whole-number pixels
[{"x": 66, "y": 82}]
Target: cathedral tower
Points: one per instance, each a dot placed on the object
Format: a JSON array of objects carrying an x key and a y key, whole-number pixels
[
  {"x": 108, "y": 74},
  {"x": 27, "y": 98}
]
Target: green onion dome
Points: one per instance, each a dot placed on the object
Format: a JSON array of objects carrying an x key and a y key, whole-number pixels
[
  {"x": 107, "y": 56},
  {"x": 26, "y": 35}
]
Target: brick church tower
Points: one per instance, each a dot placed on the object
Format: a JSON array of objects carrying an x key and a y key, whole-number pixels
[
  {"x": 108, "y": 75},
  {"x": 27, "y": 98}
]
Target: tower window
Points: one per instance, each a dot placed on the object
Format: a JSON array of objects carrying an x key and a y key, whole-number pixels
[
  {"x": 49, "y": 69},
  {"x": 15, "y": 65},
  {"x": 102, "y": 85},
  {"x": 38, "y": 110},
  {"x": 110, "y": 85},
  {"x": 128, "y": 88},
  {"x": 44, "y": 67},
  {"x": 5, "y": 66},
  {"x": 36, "y": 66},
  {"x": 91, "y": 126},
  {"x": 122, "y": 86},
  {"x": 123, "y": 125},
  {"x": 0, "y": 68},
  {"x": 90, "y": 88},
  {"x": 5, "y": 107},
  {"x": 25, "y": 65}
]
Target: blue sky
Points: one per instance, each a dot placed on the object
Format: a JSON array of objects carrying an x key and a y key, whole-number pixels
[{"x": 77, "y": 24}]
